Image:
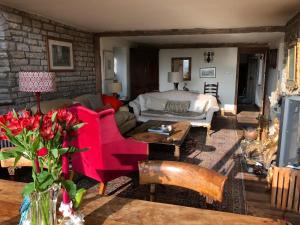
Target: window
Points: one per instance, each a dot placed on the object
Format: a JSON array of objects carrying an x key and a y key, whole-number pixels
[
  {"x": 292, "y": 63},
  {"x": 293, "y": 66}
]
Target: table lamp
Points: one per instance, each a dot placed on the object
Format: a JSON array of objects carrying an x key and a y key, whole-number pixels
[
  {"x": 176, "y": 78},
  {"x": 116, "y": 88},
  {"x": 37, "y": 82}
]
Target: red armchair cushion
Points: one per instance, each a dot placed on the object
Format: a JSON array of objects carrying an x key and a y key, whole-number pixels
[{"x": 111, "y": 100}]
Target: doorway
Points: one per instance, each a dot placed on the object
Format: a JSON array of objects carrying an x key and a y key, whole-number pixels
[{"x": 250, "y": 90}]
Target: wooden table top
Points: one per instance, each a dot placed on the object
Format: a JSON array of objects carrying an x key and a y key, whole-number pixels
[
  {"x": 113, "y": 210},
  {"x": 179, "y": 133}
]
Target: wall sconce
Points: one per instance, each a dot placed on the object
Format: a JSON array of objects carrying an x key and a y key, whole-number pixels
[{"x": 209, "y": 56}]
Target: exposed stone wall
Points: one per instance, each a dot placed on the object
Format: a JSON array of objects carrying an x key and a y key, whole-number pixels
[
  {"x": 292, "y": 30},
  {"x": 23, "y": 47}
]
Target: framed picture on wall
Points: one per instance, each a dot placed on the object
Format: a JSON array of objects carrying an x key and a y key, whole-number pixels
[
  {"x": 108, "y": 59},
  {"x": 60, "y": 55},
  {"x": 182, "y": 65},
  {"x": 209, "y": 72}
]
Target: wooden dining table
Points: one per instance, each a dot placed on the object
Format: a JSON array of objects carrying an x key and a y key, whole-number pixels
[{"x": 113, "y": 210}]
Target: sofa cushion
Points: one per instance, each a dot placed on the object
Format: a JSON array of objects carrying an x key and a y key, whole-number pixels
[
  {"x": 121, "y": 117},
  {"x": 113, "y": 101},
  {"x": 183, "y": 116},
  {"x": 95, "y": 102},
  {"x": 46, "y": 106},
  {"x": 177, "y": 106},
  {"x": 153, "y": 103},
  {"x": 84, "y": 100},
  {"x": 142, "y": 100}
]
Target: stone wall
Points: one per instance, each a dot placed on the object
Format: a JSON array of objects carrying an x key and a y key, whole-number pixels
[
  {"x": 23, "y": 39},
  {"x": 293, "y": 30}
]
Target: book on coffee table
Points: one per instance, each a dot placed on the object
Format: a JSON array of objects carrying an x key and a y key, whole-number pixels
[{"x": 159, "y": 130}]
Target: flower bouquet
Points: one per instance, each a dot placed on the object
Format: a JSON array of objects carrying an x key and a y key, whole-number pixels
[{"x": 44, "y": 140}]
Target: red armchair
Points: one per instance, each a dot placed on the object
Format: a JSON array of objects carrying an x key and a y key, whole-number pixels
[{"x": 109, "y": 154}]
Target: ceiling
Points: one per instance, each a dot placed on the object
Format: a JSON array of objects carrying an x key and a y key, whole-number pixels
[{"x": 118, "y": 15}]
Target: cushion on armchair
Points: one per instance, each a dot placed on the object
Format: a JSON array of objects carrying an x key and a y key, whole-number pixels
[{"x": 111, "y": 100}]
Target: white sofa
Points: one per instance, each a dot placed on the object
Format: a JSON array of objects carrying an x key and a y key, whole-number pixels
[{"x": 200, "y": 112}]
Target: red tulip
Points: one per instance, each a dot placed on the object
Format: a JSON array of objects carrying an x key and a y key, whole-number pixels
[
  {"x": 47, "y": 133},
  {"x": 42, "y": 152},
  {"x": 9, "y": 116},
  {"x": 2, "y": 135},
  {"x": 2, "y": 120},
  {"x": 36, "y": 122}
]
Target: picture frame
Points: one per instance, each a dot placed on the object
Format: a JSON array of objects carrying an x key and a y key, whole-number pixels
[
  {"x": 183, "y": 65},
  {"x": 60, "y": 55},
  {"x": 208, "y": 72},
  {"x": 108, "y": 60}
]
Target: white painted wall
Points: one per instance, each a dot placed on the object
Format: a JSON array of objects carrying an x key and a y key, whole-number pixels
[
  {"x": 225, "y": 61},
  {"x": 275, "y": 74},
  {"x": 120, "y": 48}
]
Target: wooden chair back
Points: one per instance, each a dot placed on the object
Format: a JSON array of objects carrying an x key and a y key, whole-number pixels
[
  {"x": 285, "y": 189},
  {"x": 211, "y": 89},
  {"x": 207, "y": 182}
]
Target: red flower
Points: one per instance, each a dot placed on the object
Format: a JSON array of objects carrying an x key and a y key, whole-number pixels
[
  {"x": 14, "y": 126},
  {"x": 25, "y": 114},
  {"x": 2, "y": 135},
  {"x": 9, "y": 116},
  {"x": 36, "y": 122},
  {"x": 47, "y": 133},
  {"x": 2, "y": 120},
  {"x": 42, "y": 152}
]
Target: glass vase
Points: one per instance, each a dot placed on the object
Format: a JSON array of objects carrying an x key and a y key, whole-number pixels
[{"x": 43, "y": 207}]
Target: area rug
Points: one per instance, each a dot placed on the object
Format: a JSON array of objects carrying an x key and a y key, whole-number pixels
[{"x": 216, "y": 152}]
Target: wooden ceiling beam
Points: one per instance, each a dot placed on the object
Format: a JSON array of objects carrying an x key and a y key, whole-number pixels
[
  {"x": 207, "y": 45},
  {"x": 192, "y": 31}
]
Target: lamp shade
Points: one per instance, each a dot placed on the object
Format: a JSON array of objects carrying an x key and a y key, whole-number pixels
[
  {"x": 37, "y": 81},
  {"x": 174, "y": 77},
  {"x": 116, "y": 87}
]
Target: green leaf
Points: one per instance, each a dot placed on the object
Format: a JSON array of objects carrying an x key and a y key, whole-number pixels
[
  {"x": 18, "y": 157},
  {"x": 54, "y": 152},
  {"x": 53, "y": 117},
  {"x": 63, "y": 150},
  {"x": 77, "y": 126},
  {"x": 8, "y": 155},
  {"x": 15, "y": 114},
  {"x": 45, "y": 180},
  {"x": 78, "y": 197},
  {"x": 28, "y": 189},
  {"x": 70, "y": 188}
]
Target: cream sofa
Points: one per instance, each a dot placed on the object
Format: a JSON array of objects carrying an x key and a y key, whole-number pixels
[
  {"x": 125, "y": 120},
  {"x": 199, "y": 114}
]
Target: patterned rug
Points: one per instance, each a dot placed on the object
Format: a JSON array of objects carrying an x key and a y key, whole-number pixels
[{"x": 216, "y": 152}]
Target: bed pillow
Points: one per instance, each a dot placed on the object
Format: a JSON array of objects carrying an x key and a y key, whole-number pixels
[{"x": 177, "y": 106}]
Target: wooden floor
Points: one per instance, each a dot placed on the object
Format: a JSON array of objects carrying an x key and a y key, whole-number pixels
[
  {"x": 258, "y": 200},
  {"x": 247, "y": 115}
]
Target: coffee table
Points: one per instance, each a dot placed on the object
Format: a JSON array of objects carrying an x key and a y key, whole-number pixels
[{"x": 179, "y": 133}]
